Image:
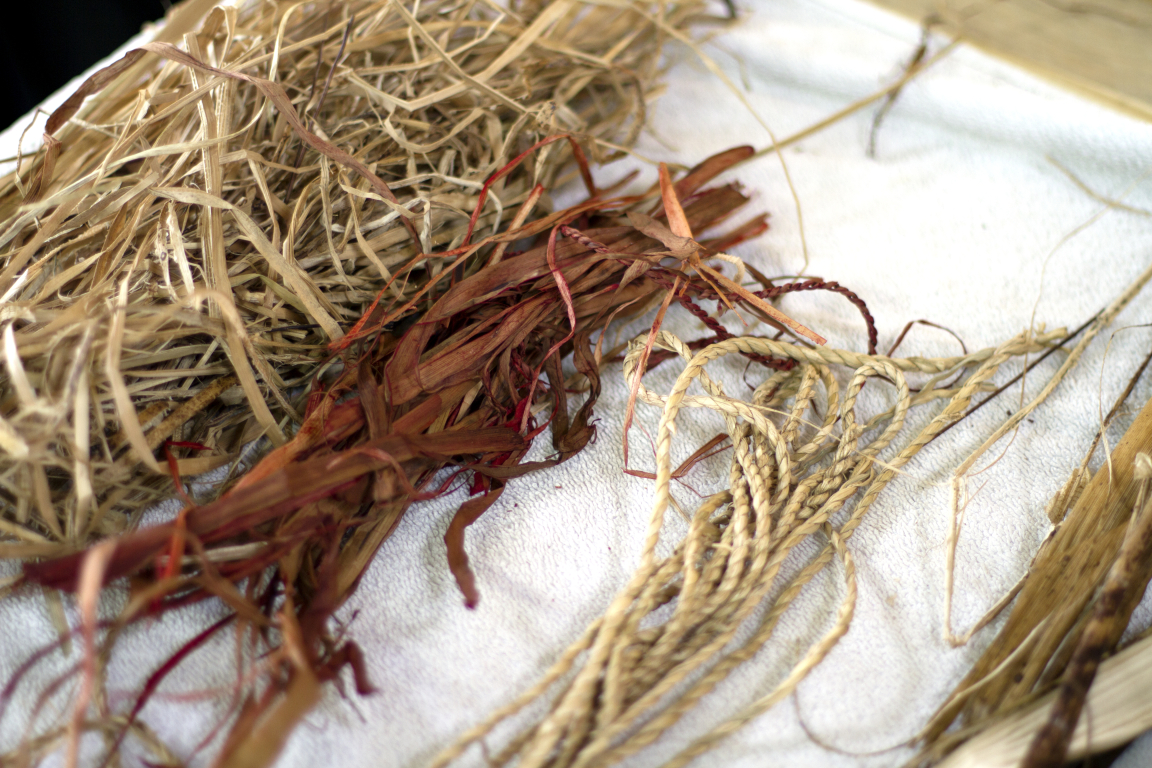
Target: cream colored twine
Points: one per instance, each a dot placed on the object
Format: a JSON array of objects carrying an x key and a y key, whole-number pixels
[{"x": 789, "y": 476}]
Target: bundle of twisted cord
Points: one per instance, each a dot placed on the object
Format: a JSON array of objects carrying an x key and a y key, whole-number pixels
[{"x": 790, "y": 476}]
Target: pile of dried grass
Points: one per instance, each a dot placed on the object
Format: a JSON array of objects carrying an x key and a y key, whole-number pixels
[
  {"x": 185, "y": 260},
  {"x": 176, "y": 261},
  {"x": 320, "y": 200},
  {"x": 458, "y": 389}
]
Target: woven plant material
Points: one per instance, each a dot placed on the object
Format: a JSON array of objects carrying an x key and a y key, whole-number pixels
[
  {"x": 806, "y": 467},
  {"x": 176, "y": 260}
]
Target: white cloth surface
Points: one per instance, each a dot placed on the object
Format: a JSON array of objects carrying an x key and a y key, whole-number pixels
[{"x": 953, "y": 221}]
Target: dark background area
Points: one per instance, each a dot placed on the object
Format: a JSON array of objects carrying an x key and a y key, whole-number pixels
[{"x": 45, "y": 43}]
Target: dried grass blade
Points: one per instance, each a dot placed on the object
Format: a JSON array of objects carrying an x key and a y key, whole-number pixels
[
  {"x": 88, "y": 596},
  {"x": 260, "y": 746},
  {"x": 126, "y": 412},
  {"x": 468, "y": 513}
]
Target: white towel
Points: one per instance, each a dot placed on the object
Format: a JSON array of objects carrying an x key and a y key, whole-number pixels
[{"x": 959, "y": 219}]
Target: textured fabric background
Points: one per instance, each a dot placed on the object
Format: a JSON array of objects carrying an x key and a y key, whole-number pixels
[{"x": 957, "y": 220}]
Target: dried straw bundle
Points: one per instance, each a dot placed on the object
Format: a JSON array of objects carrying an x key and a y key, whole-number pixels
[
  {"x": 1027, "y": 700},
  {"x": 1072, "y": 605},
  {"x": 175, "y": 262}
]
